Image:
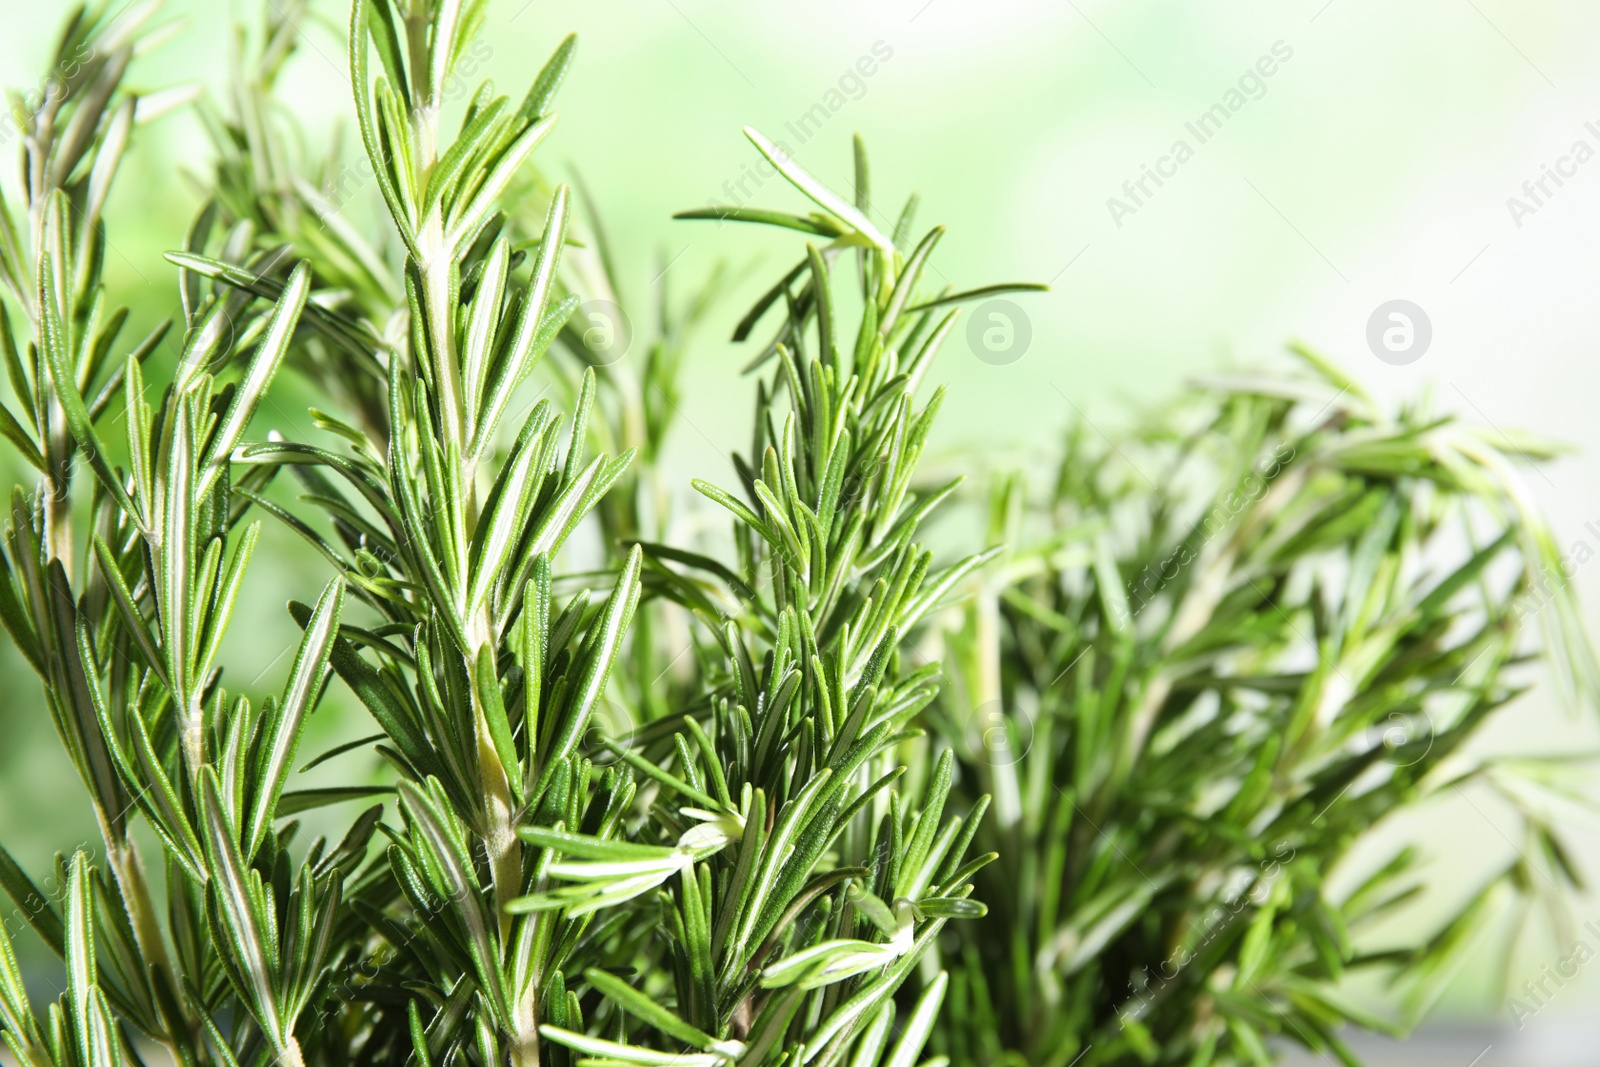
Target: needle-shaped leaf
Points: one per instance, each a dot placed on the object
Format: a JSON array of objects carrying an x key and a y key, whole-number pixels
[
  {"x": 817, "y": 225},
  {"x": 534, "y": 329},
  {"x": 981, "y": 293},
  {"x": 176, "y": 574},
  {"x": 646, "y": 1009},
  {"x": 824, "y": 197},
  {"x": 739, "y": 509},
  {"x": 22, "y": 1032},
  {"x": 603, "y": 645},
  {"x": 389, "y": 709},
  {"x": 282, "y": 729},
  {"x": 294, "y": 801},
  {"x": 494, "y": 713},
  {"x": 263, "y": 365},
  {"x": 14, "y": 615},
  {"x": 57, "y": 354},
  {"x": 464, "y": 224},
  {"x": 509, "y": 505},
  {"x": 919, "y": 1027},
  {"x": 20, "y": 439},
  {"x": 480, "y": 133},
  {"x": 226, "y": 596},
  {"x": 357, "y": 341},
  {"x": 908, "y": 280},
  {"x": 234, "y": 903},
  {"x": 484, "y": 320},
  {"x": 168, "y": 813},
  {"x": 32, "y": 904},
  {"x": 372, "y": 128},
  {"x": 602, "y": 1051},
  {"x": 460, "y": 887},
  {"x": 82, "y": 974},
  {"x": 536, "y": 105}
]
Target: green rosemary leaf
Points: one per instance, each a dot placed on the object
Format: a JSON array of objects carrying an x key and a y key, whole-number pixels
[
  {"x": 169, "y": 816},
  {"x": 463, "y": 224},
  {"x": 637, "y": 1004},
  {"x": 295, "y": 801},
  {"x": 305, "y": 683},
  {"x": 481, "y": 133},
  {"x": 494, "y": 712},
  {"x": 233, "y": 902},
  {"x": 824, "y": 197},
  {"x": 606, "y": 643},
  {"x": 908, "y": 280},
  {"x": 818, "y": 225},
  {"x": 15, "y": 618},
  {"x": 536, "y": 105},
  {"x": 80, "y": 957},
  {"x": 54, "y": 348},
  {"x": 32, "y": 903},
  {"x": 373, "y": 134},
  {"x": 177, "y": 574},
  {"x": 535, "y": 328},
  {"x": 920, "y": 1025},
  {"x": 13, "y": 431},
  {"x": 456, "y": 882},
  {"x": 981, "y": 293},
  {"x": 263, "y": 365},
  {"x": 485, "y": 318}
]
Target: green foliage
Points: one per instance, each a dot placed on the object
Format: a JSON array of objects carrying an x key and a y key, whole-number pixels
[
  {"x": 652, "y": 797},
  {"x": 742, "y": 878},
  {"x": 1216, "y": 657}
]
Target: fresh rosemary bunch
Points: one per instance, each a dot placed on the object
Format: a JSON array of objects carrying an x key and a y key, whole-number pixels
[
  {"x": 742, "y": 879},
  {"x": 809, "y": 707},
  {"x": 645, "y": 798},
  {"x": 1210, "y": 660}
]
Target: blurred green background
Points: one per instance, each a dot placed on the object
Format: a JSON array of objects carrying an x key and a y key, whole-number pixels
[{"x": 1374, "y": 163}]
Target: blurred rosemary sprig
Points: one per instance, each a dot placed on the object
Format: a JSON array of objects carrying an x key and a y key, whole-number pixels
[{"x": 1206, "y": 664}]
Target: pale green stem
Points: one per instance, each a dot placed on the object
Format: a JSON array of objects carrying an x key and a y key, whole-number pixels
[{"x": 499, "y": 816}]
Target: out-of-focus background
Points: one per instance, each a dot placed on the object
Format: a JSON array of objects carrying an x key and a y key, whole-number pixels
[{"x": 1199, "y": 183}]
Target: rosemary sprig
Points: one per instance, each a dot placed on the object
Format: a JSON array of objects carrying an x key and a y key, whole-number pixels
[{"x": 1195, "y": 685}]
